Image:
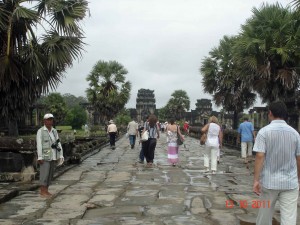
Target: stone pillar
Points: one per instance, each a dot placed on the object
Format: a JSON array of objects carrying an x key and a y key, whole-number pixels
[
  {"x": 37, "y": 119},
  {"x": 261, "y": 117}
]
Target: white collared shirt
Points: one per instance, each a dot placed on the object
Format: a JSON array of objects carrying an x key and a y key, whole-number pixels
[
  {"x": 281, "y": 145},
  {"x": 112, "y": 128},
  {"x": 52, "y": 140},
  {"x": 132, "y": 128}
]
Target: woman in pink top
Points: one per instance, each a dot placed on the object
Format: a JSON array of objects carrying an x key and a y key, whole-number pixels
[{"x": 213, "y": 143}]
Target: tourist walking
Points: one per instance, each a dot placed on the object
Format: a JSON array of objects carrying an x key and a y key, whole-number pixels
[
  {"x": 277, "y": 148},
  {"x": 112, "y": 131},
  {"x": 143, "y": 143},
  {"x": 186, "y": 128},
  {"x": 246, "y": 136},
  {"x": 49, "y": 153},
  {"x": 150, "y": 144},
  {"x": 132, "y": 130},
  {"x": 162, "y": 127},
  {"x": 213, "y": 144},
  {"x": 141, "y": 128},
  {"x": 86, "y": 130},
  {"x": 173, "y": 131}
]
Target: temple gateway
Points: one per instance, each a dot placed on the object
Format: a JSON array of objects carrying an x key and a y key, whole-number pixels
[{"x": 145, "y": 104}]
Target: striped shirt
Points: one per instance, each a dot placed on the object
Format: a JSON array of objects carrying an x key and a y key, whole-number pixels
[
  {"x": 153, "y": 131},
  {"x": 281, "y": 144}
]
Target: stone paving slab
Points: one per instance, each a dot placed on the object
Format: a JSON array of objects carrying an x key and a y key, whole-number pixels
[{"x": 110, "y": 187}]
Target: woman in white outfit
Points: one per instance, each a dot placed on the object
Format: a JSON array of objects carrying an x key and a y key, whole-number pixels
[{"x": 213, "y": 143}]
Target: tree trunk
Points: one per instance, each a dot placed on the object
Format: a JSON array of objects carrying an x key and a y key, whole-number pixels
[
  {"x": 13, "y": 128},
  {"x": 235, "y": 120}
]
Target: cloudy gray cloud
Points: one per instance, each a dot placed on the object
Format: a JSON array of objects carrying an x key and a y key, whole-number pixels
[{"x": 160, "y": 42}]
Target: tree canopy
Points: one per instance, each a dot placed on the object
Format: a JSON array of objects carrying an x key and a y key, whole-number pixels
[
  {"x": 264, "y": 59},
  {"x": 178, "y": 104},
  {"x": 32, "y": 62},
  {"x": 108, "y": 89},
  {"x": 268, "y": 52}
]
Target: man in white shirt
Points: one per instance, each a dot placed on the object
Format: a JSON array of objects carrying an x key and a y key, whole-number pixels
[
  {"x": 132, "y": 130},
  {"x": 50, "y": 153},
  {"x": 112, "y": 131},
  {"x": 277, "y": 167}
]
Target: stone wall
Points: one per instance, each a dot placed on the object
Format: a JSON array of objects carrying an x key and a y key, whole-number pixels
[{"x": 18, "y": 158}]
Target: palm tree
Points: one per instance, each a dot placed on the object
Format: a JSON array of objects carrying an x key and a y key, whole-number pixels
[
  {"x": 268, "y": 52},
  {"x": 178, "y": 104},
  {"x": 296, "y": 4},
  {"x": 55, "y": 103},
  {"x": 223, "y": 79},
  {"x": 32, "y": 62},
  {"x": 109, "y": 91}
]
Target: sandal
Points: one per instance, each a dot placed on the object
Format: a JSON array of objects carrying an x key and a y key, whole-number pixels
[{"x": 149, "y": 165}]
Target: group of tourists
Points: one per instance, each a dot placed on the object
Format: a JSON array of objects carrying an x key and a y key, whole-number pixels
[
  {"x": 153, "y": 129},
  {"x": 277, "y": 161},
  {"x": 277, "y": 158}
]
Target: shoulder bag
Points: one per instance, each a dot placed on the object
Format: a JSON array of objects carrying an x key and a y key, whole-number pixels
[
  {"x": 179, "y": 140},
  {"x": 203, "y": 137},
  {"x": 145, "y": 136}
]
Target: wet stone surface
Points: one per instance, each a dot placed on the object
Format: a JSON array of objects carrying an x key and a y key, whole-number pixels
[{"x": 111, "y": 187}]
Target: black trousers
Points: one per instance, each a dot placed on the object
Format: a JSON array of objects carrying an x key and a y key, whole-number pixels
[
  {"x": 149, "y": 148},
  {"x": 112, "y": 138}
]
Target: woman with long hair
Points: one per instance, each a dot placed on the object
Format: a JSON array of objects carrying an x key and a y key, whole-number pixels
[
  {"x": 173, "y": 131},
  {"x": 213, "y": 143},
  {"x": 150, "y": 144}
]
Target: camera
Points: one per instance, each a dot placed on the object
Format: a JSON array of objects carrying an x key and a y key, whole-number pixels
[{"x": 56, "y": 146}]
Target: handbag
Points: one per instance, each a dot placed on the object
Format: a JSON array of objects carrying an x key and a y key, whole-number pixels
[
  {"x": 203, "y": 138},
  {"x": 179, "y": 140},
  {"x": 145, "y": 136}
]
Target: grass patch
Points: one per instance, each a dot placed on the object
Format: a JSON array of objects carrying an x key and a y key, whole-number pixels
[
  {"x": 95, "y": 130},
  {"x": 63, "y": 128}
]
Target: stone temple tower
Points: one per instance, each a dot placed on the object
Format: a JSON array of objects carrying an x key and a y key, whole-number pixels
[
  {"x": 145, "y": 104},
  {"x": 204, "y": 110}
]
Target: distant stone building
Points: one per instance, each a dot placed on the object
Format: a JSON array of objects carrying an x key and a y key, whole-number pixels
[
  {"x": 191, "y": 116},
  {"x": 133, "y": 113},
  {"x": 145, "y": 104},
  {"x": 204, "y": 110},
  {"x": 258, "y": 116},
  {"x": 29, "y": 123}
]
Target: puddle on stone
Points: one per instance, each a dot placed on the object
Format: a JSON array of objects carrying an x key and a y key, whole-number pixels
[
  {"x": 214, "y": 185},
  {"x": 167, "y": 179},
  {"x": 232, "y": 182},
  {"x": 133, "y": 179},
  {"x": 200, "y": 181},
  {"x": 10, "y": 210}
]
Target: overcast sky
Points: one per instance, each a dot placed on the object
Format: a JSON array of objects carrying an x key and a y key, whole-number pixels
[{"x": 160, "y": 42}]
